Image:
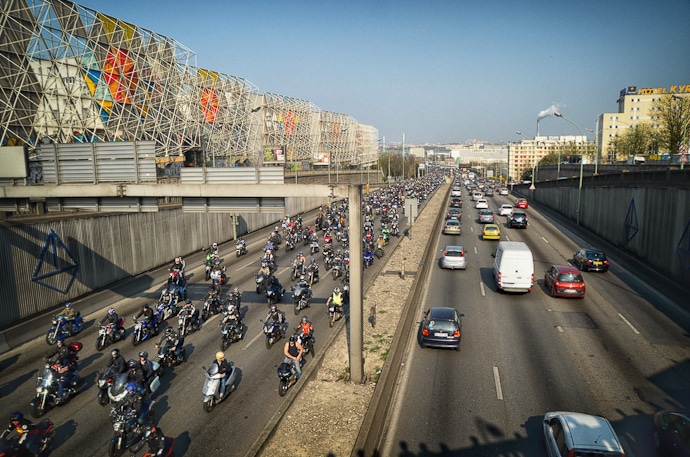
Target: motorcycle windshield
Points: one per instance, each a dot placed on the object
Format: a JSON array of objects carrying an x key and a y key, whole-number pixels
[
  {"x": 213, "y": 369},
  {"x": 47, "y": 377}
]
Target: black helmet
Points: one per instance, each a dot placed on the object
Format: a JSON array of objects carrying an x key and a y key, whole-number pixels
[
  {"x": 168, "y": 330},
  {"x": 144, "y": 354},
  {"x": 188, "y": 301},
  {"x": 293, "y": 338},
  {"x": 132, "y": 364},
  {"x": 146, "y": 305},
  {"x": 16, "y": 416},
  {"x": 304, "y": 319},
  {"x": 273, "y": 308},
  {"x": 115, "y": 352}
]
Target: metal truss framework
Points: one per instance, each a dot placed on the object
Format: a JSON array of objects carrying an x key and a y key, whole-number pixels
[{"x": 69, "y": 74}]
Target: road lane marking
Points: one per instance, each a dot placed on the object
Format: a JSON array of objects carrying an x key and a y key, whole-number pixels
[
  {"x": 629, "y": 324},
  {"x": 507, "y": 238},
  {"x": 475, "y": 250},
  {"x": 559, "y": 328},
  {"x": 481, "y": 286},
  {"x": 253, "y": 340},
  {"x": 497, "y": 381},
  {"x": 545, "y": 240}
]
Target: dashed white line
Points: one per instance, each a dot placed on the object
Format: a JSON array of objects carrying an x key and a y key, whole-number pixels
[
  {"x": 475, "y": 250},
  {"x": 481, "y": 286},
  {"x": 629, "y": 324},
  {"x": 497, "y": 381},
  {"x": 545, "y": 240},
  {"x": 559, "y": 328},
  {"x": 252, "y": 341}
]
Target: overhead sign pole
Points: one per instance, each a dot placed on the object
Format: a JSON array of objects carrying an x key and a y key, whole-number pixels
[{"x": 356, "y": 305}]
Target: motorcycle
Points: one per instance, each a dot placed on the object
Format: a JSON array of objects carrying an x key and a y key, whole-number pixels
[
  {"x": 395, "y": 230},
  {"x": 104, "y": 381},
  {"x": 230, "y": 331},
  {"x": 274, "y": 293},
  {"x": 337, "y": 269},
  {"x": 241, "y": 249},
  {"x": 144, "y": 330},
  {"x": 210, "y": 307},
  {"x": 307, "y": 342},
  {"x": 167, "y": 357},
  {"x": 47, "y": 385},
  {"x": 314, "y": 246},
  {"x": 260, "y": 283},
  {"x": 212, "y": 262},
  {"x": 290, "y": 243},
  {"x": 129, "y": 429},
  {"x": 368, "y": 259},
  {"x": 57, "y": 330},
  {"x": 297, "y": 271},
  {"x": 168, "y": 447},
  {"x": 272, "y": 330},
  {"x": 328, "y": 259},
  {"x": 188, "y": 323},
  {"x": 378, "y": 252},
  {"x": 301, "y": 296},
  {"x": 110, "y": 333},
  {"x": 335, "y": 313},
  {"x": 38, "y": 443},
  {"x": 287, "y": 376},
  {"x": 312, "y": 276},
  {"x": 212, "y": 386}
]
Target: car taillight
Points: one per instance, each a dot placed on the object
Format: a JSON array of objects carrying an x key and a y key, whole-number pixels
[
  {"x": 456, "y": 334},
  {"x": 425, "y": 332},
  {"x": 589, "y": 262},
  {"x": 462, "y": 254},
  {"x": 445, "y": 253},
  {"x": 606, "y": 262}
]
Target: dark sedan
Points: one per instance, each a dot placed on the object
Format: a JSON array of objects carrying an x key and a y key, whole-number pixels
[
  {"x": 672, "y": 434},
  {"x": 442, "y": 328},
  {"x": 517, "y": 219},
  {"x": 591, "y": 260}
]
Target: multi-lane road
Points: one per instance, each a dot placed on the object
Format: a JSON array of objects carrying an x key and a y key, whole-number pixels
[{"x": 616, "y": 353}]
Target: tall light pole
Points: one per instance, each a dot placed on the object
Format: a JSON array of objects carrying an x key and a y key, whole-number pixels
[
  {"x": 582, "y": 164},
  {"x": 685, "y": 130},
  {"x": 596, "y": 156},
  {"x": 403, "y": 158}
]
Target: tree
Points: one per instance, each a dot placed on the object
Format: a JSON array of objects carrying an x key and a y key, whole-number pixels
[
  {"x": 673, "y": 113},
  {"x": 639, "y": 139}
]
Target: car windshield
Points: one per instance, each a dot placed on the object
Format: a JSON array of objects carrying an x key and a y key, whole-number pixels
[
  {"x": 570, "y": 277},
  {"x": 442, "y": 326},
  {"x": 596, "y": 255},
  {"x": 451, "y": 222}
]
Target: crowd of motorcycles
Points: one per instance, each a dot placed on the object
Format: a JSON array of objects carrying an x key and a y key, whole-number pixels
[{"x": 59, "y": 380}]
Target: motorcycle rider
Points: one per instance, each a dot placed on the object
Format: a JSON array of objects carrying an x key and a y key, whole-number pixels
[
  {"x": 191, "y": 312},
  {"x": 274, "y": 283},
  {"x": 304, "y": 287},
  {"x": 136, "y": 375},
  {"x": 70, "y": 316},
  {"x": 264, "y": 270},
  {"x": 155, "y": 439},
  {"x": 178, "y": 265},
  {"x": 111, "y": 318},
  {"x": 241, "y": 244},
  {"x": 336, "y": 298},
  {"x": 233, "y": 312},
  {"x": 235, "y": 297},
  {"x": 133, "y": 401},
  {"x": 278, "y": 316},
  {"x": 293, "y": 351},
  {"x": 146, "y": 368},
  {"x": 173, "y": 340},
  {"x": 313, "y": 268},
  {"x": 224, "y": 369},
  {"x": 22, "y": 426},
  {"x": 64, "y": 357},
  {"x": 116, "y": 361},
  {"x": 305, "y": 328},
  {"x": 146, "y": 312}
]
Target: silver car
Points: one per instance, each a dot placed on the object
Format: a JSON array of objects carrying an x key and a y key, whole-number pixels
[
  {"x": 568, "y": 433},
  {"x": 486, "y": 216},
  {"x": 454, "y": 258}
]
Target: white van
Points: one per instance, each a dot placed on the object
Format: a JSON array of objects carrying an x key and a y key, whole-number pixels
[{"x": 513, "y": 267}]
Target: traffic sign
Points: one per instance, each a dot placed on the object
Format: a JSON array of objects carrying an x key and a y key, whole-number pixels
[{"x": 532, "y": 187}]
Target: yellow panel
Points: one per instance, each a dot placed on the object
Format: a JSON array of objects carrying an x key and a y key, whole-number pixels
[
  {"x": 108, "y": 24},
  {"x": 128, "y": 29}
]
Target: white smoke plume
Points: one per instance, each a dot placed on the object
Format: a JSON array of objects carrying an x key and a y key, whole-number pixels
[{"x": 548, "y": 111}]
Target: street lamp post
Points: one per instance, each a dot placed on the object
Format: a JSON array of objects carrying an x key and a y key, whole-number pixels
[
  {"x": 582, "y": 163},
  {"x": 596, "y": 156},
  {"x": 685, "y": 129}
]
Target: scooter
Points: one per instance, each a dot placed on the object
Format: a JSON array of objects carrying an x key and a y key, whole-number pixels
[{"x": 212, "y": 386}]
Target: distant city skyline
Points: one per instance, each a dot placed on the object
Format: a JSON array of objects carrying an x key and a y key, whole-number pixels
[{"x": 439, "y": 72}]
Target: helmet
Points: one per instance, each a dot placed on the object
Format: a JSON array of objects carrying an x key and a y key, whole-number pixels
[
  {"x": 111, "y": 310},
  {"x": 16, "y": 416},
  {"x": 301, "y": 277},
  {"x": 188, "y": 301},
  {"x": 115, "y": 352},
  {"x": 68, "y": 305},
  {"x": 214, "y": 245},
  {"x": 336, "y": 290},
  {"x": 144, "y": 354},
  {"x": 60, "y": 341},
  {"x": 131, "y": 388},
  {"x": 146, "y": 305},
  {"x": 132, "y": 364},
  {"x": 236, "y": 290},
  {"x": 313, "y": 260},
  {"x": 220, "y": 355},
  {"x": 231, "y": 308},
  {"x": 300, "y": 254},
  {"x": 304, "y": 319},
  {"x": 273, "y": 308},
  {"x": 263, "y": 264},
  {"x": 169, "y": 330},
  {"x": 293, "y": 338}
]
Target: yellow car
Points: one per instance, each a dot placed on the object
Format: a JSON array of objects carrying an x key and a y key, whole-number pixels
[{"x": 491, "y": 232}]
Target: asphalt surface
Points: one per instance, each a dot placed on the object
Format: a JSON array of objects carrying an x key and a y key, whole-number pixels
[{"x": 621, "y": 352}]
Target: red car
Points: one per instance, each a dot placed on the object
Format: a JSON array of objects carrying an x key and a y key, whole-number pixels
[
  {"x": 564, "y": 281},
  {"x": 521, "y": 203}
]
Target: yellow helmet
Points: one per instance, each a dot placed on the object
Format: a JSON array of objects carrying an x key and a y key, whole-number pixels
[{"x": 220, "y": 355}]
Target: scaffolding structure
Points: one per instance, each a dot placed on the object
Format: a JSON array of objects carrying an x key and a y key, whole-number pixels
[{"x": 70, "y": 74}]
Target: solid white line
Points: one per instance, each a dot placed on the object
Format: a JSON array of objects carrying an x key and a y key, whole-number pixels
[
  {"x": 545, "y": 240},
  {"x": 629, "y": 324},
  {"x": 481, "y": 286},
  {"x": 497, "y": 381}
]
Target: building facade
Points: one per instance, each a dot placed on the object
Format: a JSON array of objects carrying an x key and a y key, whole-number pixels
[{"x": 525, "y": 155}]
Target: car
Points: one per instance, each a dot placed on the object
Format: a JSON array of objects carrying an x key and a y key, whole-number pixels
[
  {"x": 591, "y": 260},
  {"x": 454, "y": 213},
  {"x": 456, "y": 191},
  {"x": 486, "y": 216},
  {"x": 476, "y": 196},
  {"x": 491, "y": 232},
  {"x": 489, "y": 192},
  {"x": 577, "y": 434},
  {"x": 481, "y": 204},
  {"x": 454, "y": 258},
  {"x": 451, "y": 227},
  {"x": 672, "y": 433},
  {"x": 456, "y": 202},
  {"x": 505, "y": 210},
  {"x": 521, "y": 203},
  {"x": 517, "y": 219},
  {"x": 503, "y": 191},
  {"x": 442, "y": 328},
  {"x": 564, "y": 281}
]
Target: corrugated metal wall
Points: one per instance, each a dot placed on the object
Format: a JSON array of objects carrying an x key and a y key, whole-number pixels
[{"x": 108, "y": 248}]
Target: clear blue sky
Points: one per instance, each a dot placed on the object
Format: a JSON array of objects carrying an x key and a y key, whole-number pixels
[{"x": 437, "y": 71}]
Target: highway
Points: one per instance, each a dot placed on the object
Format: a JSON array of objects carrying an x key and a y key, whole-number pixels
[{"x": 616, "y": 353}]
